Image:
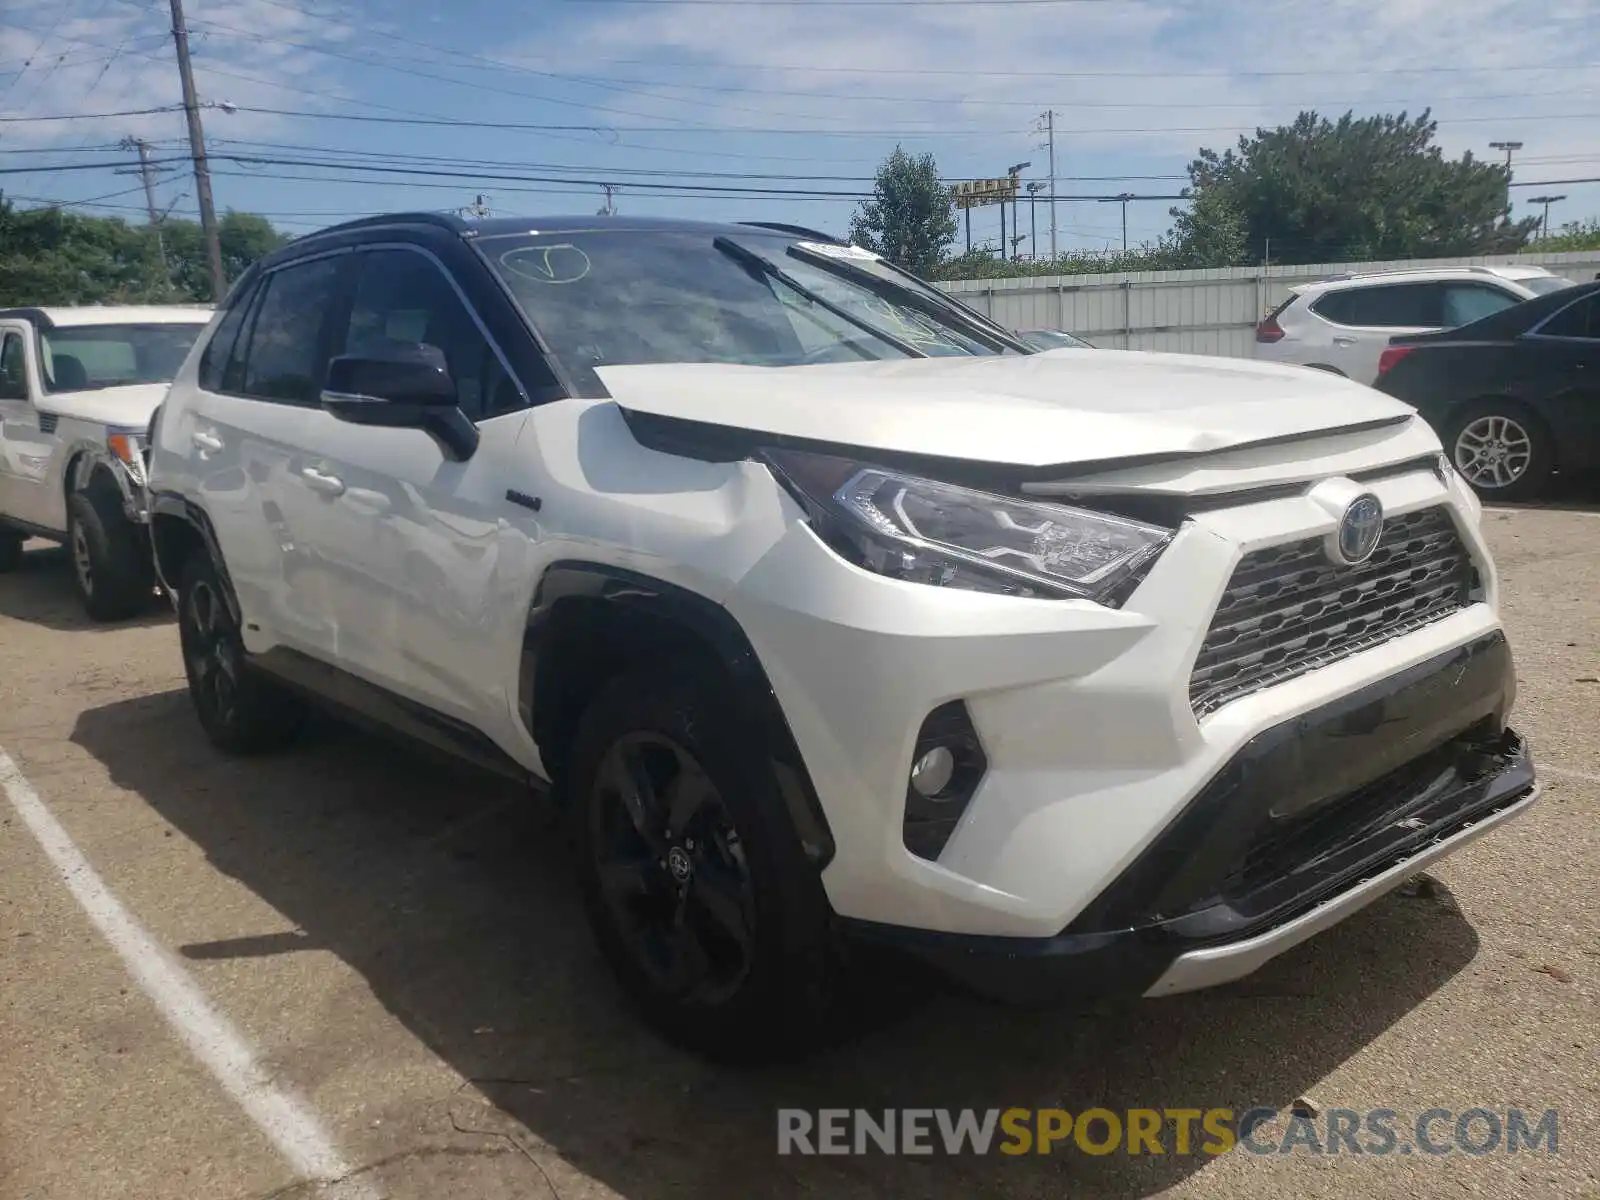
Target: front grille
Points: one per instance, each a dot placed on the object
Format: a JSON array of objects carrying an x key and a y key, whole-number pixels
[{"x": 1288, "y": 610}]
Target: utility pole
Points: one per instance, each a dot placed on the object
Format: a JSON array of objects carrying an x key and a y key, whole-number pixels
[
  {"x": 197, "y": 148},
  {"x": 1122, "y": 199},
  {"x": 478, "y": 209},
  {"x": 1547, "y": 201},
  {"x": 1049, "y": 119},
  {"x": 609, "y": 209},
  {"x": 147, "y": 173},
  {"x": 1012, "y": 173}
]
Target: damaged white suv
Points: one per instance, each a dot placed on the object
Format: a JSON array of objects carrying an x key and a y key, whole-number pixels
[
  {"x": 841, "y": 623},
  {"x": 77, "y": 388}
]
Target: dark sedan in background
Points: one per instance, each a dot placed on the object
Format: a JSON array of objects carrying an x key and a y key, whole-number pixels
[{"x": 1515, "y": 397}]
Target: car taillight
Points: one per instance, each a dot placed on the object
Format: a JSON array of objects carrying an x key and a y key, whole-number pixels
[
  {"x": 1269, "y": 330},
  {"x": 1392, "y": 355}
]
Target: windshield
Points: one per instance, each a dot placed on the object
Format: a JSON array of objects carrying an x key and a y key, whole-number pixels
[
  {"x": 609, "y": 297},
  {"x": 80, "y": 358},
  {"x": 1543, "y": 286}
]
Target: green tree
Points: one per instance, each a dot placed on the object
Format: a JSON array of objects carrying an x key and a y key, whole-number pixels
[
  {"x": 54, "y": 256},
  {"x": 1209, "y": 233},
  {"x": 911, "y": 220},
  {"x": 1348, "y": 190},
  {"x": 1574, "y": 235}
]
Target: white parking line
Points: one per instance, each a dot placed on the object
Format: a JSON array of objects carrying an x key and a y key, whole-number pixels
[
  {"x": 1562, "y": 773},
  {"x": 210, "y": 1036}
]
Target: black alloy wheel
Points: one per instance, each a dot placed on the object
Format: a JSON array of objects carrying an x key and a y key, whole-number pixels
[{"x": 672, "y": 869}]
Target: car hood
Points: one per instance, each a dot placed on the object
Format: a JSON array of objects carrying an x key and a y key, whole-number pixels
[
  {"x": 1027, "y": 410},
  {"x": 129, "y": 406}
]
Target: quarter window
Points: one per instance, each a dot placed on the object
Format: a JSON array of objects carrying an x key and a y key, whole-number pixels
[
  {"x": 214, "y": 359},
  {"x": 403, "y": 299},
  {"x": 1468, "y": 302},
  {"x": 286, "y": 361}
]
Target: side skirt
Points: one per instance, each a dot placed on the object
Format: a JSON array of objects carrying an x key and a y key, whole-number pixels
[{"x": 381, "y": 711}]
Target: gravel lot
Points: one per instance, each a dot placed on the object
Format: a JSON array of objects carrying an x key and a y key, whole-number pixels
[{"x": 399, "y": 945}]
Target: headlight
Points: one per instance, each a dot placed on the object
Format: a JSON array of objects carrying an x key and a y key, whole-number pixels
[{"x": 924, "y": 531}]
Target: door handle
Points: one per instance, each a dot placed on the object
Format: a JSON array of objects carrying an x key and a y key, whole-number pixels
[
  {"x": 206, "y": 442},
  {"x": 1344, "y": 341},
  {"x": 317, "y": 481}
]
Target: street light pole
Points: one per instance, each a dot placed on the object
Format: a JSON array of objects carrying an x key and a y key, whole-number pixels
[
  {"x": 1121, "y": 198},
  {"x": 1034, "y": 189},
  {"x": 1510, "y": 148},
  {"x": 1547, "y": 201},
  {"x": 1013, "y": 171}
]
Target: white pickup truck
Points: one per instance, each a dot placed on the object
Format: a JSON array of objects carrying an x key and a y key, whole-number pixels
[{"x": 77, "y": 390}]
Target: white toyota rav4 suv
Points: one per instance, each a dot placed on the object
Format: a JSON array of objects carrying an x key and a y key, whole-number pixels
[
  {"x": 840, "y": 623},
  {"x": 1343, "y": 324},
  {"x": 77, "y": 387}
]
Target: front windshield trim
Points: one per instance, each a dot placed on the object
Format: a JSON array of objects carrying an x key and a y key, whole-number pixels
[
  {"x": 935, "y": 305},
  {"x": 756, "y": 261}
]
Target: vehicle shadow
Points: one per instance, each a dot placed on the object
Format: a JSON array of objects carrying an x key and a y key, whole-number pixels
[
  {"x": 41, "y": 592},
  {"x": 451, "y": 896}
]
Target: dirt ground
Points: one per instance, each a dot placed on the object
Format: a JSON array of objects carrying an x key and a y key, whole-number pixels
[{"x": 400, "y": 946}]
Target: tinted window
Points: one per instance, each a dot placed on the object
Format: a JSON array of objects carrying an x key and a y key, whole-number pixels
[
  {"x": 1386, "y": 306},
  {"x": 1468, "y": 302},
  {"x": 403, "y": 298},
  {"x": 216, "y": 354},
  {"x": 285, "y": 361},
  {"x": 13, "y": 369},
  {"x": 1580, "y": 320}
]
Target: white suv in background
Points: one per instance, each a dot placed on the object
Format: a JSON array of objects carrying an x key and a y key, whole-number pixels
[
  {"x": 77, "y": 387},
  {"x": 841, "y": 623},
  {"x": 1343, "y": 324}
]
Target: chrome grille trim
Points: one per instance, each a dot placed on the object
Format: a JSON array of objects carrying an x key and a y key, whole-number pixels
[{"x": 1288, "y": 610}]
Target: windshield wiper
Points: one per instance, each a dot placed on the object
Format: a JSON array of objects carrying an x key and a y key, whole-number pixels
[
  {"x": 940, "y": 309},
  {"x": 760, "y": 264}
]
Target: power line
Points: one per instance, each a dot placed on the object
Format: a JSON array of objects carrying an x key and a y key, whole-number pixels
[
  {"x": 631, "y": 86},
  {"x": 95, "y": 116}
]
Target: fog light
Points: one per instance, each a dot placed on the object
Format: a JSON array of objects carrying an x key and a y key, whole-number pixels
[
  {"x": 947, "y": 764},
  {"x": 933, "y": 771}
]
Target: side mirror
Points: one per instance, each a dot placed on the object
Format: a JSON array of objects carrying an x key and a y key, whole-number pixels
[{"x": 409, "y": 388}]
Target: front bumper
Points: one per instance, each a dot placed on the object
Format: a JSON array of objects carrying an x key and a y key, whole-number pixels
[
  {"x": 1313, "y": 820},
  {"x": 1084, "y": 714}
]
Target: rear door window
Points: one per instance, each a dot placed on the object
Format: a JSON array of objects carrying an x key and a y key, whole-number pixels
[
  {"x": 13, "y": 368},
  {"x": 1384, "y": 306},
  {"x": 1580, "y": 320}
]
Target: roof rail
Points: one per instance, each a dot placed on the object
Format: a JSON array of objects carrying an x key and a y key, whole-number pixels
[
  {"x": 797, "y": 230},
  {"x": 444, "y": 220}
]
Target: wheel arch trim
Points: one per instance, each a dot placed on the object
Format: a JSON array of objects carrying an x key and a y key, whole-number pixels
[
  {"x": 577, "y": 581},
  {"x": 171, "y": 505}
]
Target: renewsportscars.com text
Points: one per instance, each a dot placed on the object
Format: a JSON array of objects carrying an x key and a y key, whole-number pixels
[{"x": 1212, "y": 1131}]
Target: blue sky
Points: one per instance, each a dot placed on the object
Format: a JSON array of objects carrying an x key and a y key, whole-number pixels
[{"x": 665, "y": 96}]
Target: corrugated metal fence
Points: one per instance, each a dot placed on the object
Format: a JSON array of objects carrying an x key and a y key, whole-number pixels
[{"x": 1193, "y": 312}]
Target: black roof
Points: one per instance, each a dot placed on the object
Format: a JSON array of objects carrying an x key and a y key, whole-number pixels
[{"x": 565, "y": 224}]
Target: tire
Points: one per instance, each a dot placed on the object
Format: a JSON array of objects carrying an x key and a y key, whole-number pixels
[
  {"x": 241, "y": 711},
  {"x": 111, "y": 566},
  {"x": 1525, "y": 446},
  {"x": 760, "y": 982},
  {"x": 10, "y": 551}
]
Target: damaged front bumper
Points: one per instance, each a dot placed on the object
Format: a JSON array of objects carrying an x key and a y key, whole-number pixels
[{"x": 1310, "y": 821}]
